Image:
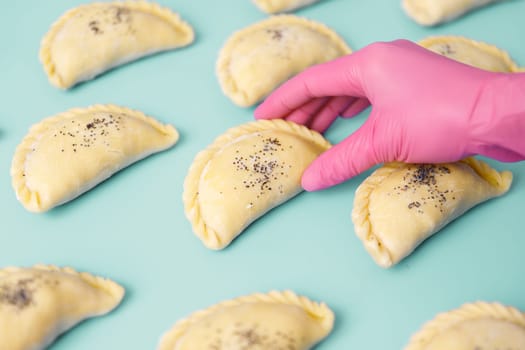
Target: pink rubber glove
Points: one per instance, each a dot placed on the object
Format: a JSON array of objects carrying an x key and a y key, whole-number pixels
[{"x": 426, "y": 108}]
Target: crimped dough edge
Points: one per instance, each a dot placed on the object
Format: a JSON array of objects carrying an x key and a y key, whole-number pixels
[
  {"x": 471, "y": 311},
  {"x": 229, "y": 85},
  {"x": 488, "y": 48},
  {"x": 318, "y": 311},
  {"x": 360, "y": 213},
  {"x": 164, "y": 13},
  {"x": 31, "y": 199},
  {"x": 500, "y": 180},
  {"x": 107, "y": 285},
  {"x": 207, "y": 235}
]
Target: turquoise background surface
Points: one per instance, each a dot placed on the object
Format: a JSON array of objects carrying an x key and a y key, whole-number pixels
[{"x": 132, "y": 227}]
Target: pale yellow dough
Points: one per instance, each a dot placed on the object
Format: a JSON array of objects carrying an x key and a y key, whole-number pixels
[
  {"x": 480, "y": 325},
  {"x": 277, "y": 320},
  {"x": 258, "y": 58},
  {"x": 471, "y": 52},
  {"x": 244, "y": 173},
  {"x": 66, "y": 155},
  {"x": 432, "y": 12},
  {"x": 39, "y": 303},
  {"x": 93, "y": 38},
  {"x": 276, "y": 6},
  {"x": 400, "y": 205}
]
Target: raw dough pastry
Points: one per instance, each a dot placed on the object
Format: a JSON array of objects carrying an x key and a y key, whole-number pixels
[
  {"x": 257, "y": 59},
  {"x": 471, "y": 52},
  {"x": 246, "y": 172},
  {"x": 432, "y": 12},
  {"x": 93, "y": 38},
  {"x": 275, "y": 6},
  {"x": 66, "y": 155},
  {"x": 400, "y": 205},
  {"x": 39, "y": 303},
  {"x": 277, "y": 320},
  {"x": 473, "y": 326}
]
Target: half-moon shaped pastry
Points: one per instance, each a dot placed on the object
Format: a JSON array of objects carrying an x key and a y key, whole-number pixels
[
  {"x": 244, "y": 173},
  {"x": 39, "y": 303},
  {"x": 473, "y": 326},
  {"x": 276, "y": 6},
  {"x": 93, "y": 38},
  {"x": 400, "y": 205},
  {"x": 258, "y": 58},
  {"x": 471, "y": 52},
  {"x": 432, "y": 12},
  {"x": 66, "y": 155},
  {"x": 277, "y": 320}
]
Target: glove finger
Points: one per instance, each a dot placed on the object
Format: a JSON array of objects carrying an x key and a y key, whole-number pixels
[
  {"x": 334, "y": 78},
  {"x": 330, "y": 111},
  {"x": 342, "y": 162},
  {"x": 355, "y": 108},
  {"x": 304, "y": 114}
]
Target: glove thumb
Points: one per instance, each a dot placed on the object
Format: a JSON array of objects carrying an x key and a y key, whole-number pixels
[{"x": 343, "y": 161}]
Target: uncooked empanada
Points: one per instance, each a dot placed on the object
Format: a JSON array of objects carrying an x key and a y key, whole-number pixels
[
  {"x": 93, "y": 38},
  {"x": 432, "y": 12},
  {"x": 471, "y": 52},
  {"x": 257, "y": 59},
  {"x": 277, "y": 320},
  {"x": 275, "y": 6},
  {"x": 37, "y": 304},
  {"x": 66, "y": 155},
  {"x": 247, "y": 171},
  {"x": 400, "y": 205},
  {"x": 476, "y": 326}
]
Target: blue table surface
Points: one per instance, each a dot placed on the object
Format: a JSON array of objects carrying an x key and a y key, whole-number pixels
[{"x": 132, "y": 227}]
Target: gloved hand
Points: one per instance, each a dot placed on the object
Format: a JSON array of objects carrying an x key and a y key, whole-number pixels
[{"x": 426, "y": 108}]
